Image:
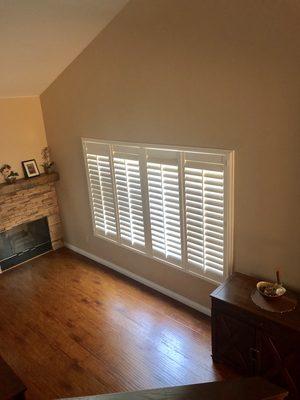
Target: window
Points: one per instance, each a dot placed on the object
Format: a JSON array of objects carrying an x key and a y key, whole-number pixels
[{"x": 171, "y": 204}]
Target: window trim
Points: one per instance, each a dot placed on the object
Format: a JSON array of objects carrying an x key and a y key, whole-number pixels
[{"x": 228, "y": 201}]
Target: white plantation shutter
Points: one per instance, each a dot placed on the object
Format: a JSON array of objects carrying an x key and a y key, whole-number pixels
[
  {"x": 213, "y": 208},
  {"x": 101, "y": 189},
  {"x": 204, "y": 213},
  {"x": 171, "y": 204},
  {"x": 164, "y": 203},
  {"x": 129, "y": 198},
  {"x": 193, "y": 179}
]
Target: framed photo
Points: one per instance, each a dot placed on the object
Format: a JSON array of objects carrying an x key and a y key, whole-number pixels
[{"x": 30, "y": 168}]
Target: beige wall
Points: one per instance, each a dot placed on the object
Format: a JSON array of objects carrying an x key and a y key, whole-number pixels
[
  {"x": 22, "y": 131},
  {"x": 204, "y": 73}
]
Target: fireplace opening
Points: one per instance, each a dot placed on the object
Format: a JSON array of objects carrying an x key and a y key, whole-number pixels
[{"x": 24, "y": 242}]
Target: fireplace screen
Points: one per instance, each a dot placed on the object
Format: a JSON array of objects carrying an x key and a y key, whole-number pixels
[{"x": 24, "y": 242}]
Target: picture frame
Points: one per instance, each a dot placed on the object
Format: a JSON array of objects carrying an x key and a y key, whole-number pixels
[{"x": 30, "y": 168}]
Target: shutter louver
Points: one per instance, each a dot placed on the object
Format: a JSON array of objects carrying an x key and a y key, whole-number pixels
[
  {"x": 204, "y": 210},
  {"x": 129, "y": 198},
  {"x": 102, "y": 198},
  {"x": 163, "y": 188}
]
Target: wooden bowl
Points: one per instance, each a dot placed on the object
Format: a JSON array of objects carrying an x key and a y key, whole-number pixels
[{"x": 280, "y": 290}]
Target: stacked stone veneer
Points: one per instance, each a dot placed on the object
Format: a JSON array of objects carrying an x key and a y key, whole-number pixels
[{"x": 29, "y": 205}]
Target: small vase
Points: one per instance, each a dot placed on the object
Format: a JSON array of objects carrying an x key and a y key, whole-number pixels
[{"x": 47, "y": 170}]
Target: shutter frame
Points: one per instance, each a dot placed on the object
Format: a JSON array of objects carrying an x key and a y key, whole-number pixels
[{"x": 208, "y": 159}]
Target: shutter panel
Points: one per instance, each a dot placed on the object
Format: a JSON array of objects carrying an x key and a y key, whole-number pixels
[
  {"x": 129, "y": 198},
  {"x": 164, "y": 203},
  {"x": 101, "y": 189},
  {"x": 204, "y": 211},
  {"x": 214, "y": 221},
  {"x": 193, "y": 180}
]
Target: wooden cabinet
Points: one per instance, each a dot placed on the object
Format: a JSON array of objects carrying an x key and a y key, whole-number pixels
[{"x": 254, "y": 341}]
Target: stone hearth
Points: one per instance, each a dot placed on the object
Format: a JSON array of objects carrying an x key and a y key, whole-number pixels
[{"x": 31, "y": 199}]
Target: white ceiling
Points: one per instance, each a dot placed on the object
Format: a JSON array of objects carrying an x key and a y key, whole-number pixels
[{"x": 40, "y": 38}]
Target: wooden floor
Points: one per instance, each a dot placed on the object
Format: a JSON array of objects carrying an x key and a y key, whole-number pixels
[{"x": 72, "y": 328}]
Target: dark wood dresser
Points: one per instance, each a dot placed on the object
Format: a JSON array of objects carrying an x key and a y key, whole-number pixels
[{"x": 254, "y": 341}]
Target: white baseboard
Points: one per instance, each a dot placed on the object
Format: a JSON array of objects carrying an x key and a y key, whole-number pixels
[{"x": 144, "y": 281}]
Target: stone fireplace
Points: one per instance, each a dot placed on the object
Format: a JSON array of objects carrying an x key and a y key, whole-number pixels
[{"x": 24, "y": 202}]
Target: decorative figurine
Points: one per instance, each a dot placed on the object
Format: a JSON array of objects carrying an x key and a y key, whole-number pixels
[{"x": 9, "y": 175}]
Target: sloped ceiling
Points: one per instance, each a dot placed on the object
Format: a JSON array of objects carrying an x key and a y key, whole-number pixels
[{"x": 40, "y": 38}]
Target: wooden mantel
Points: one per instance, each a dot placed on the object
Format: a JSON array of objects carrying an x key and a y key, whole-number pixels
[{"x": 28, "y": 183}]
